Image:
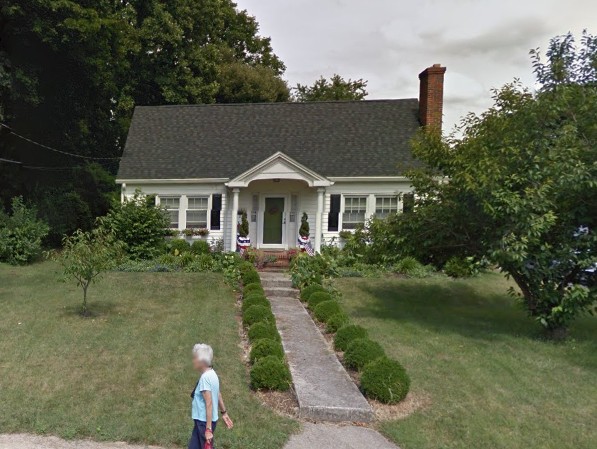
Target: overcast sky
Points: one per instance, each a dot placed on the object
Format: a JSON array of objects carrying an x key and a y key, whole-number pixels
[{"x": 483, "y": 43}]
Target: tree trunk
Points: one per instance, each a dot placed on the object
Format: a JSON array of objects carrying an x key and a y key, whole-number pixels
[
  {"x": 557, "y": 333},
  {"x": 85, "y": 299}
]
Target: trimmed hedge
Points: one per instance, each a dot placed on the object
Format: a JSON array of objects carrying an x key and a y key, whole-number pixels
[
  {"x": 255, "y": 299},
  {"x": 336, "y": 322},
  {"x": 362, "y": 351},
  {"x": 317, "y": 298},
  {"x": 264, "y": 348},
  {"x": 178, "y": 246},
  {"x": 309, "y": 290},
  {"x": 347, "y": 334},
  {"x": 385, "y": 380},
  {"x": 200, "y": 247},
  {"x": 254, "y": 287},
  {"x": 250, "y": 277},
  {"x": 270, "y": 373},
  {"x": 325, "y": 310},
  {"x": 258, "y": 314},
  {"x": 263, "y": 330}
]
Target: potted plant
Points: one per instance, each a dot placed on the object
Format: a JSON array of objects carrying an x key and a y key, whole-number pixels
[{"x": 243, "y": 241}]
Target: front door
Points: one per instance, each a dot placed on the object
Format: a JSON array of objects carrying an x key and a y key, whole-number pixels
[{"x": 273, "y": 217}]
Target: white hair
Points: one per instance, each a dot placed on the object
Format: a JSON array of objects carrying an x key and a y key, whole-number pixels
[{"x": 204, "y": 353}]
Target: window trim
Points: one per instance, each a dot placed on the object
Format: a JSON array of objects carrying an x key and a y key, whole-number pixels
[
  {"x": 390, "y": 197},
  {"x": 207, "y": 210},
  {"x": 365, "y": 196},
  {"x": 179, "y": 198}
]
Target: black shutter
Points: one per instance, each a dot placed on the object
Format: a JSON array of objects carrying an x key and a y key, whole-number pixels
[
  {"x": 333, "y": 216},
  {"x": 408, "y": 203},
  {"x": 216, "y": 208}
]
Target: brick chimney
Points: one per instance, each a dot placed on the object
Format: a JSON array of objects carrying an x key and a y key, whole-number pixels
[{"x": 431, "y": 96}]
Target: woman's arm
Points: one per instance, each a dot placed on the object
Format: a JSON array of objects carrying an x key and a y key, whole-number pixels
[
  {"x": 227, "y": 419},
  {"x": 208, "y": 414}
]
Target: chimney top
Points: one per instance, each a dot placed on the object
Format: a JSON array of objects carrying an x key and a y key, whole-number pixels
[{"x": 431, "y": 96}]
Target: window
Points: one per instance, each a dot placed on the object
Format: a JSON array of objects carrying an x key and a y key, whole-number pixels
[
  {"x": 355, "y": 209},
  {"x": 385, "y": 205},
  {"x": 197, "y": 212},
  {"x": 172, "y": 205}
]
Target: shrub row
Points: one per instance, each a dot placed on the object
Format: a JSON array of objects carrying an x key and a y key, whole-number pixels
[
  {"x": 382, "y": 379},
  {"x": 269, "y": 370}
]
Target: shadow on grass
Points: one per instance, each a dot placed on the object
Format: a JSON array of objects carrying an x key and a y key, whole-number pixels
[
  {"x": 94, "y": 309},
  {"x": 456, "y": 307}
]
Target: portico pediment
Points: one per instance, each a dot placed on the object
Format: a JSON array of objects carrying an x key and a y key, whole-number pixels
[{"x": 279, "y": 166}]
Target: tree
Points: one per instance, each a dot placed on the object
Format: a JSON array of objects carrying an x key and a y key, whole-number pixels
[
  {"x": 334, "y": 89},
  {"x": 520, "y": 186},
  {"x": 71, "y": 72},
  {"x": 86, "y": 255},
  {"x": 139, "y": 224}
]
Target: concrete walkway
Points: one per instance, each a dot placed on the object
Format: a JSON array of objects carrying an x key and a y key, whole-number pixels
[
  {"x": 324, "y": 390},
  {"x": 330, "y": 436}
]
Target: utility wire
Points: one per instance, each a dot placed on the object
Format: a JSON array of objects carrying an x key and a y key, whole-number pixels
[
  {"x": 54, "y": 149},
  {"x": 10, "y": 161}
]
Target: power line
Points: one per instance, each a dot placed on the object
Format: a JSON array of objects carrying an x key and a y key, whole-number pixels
[
  {"x": 10, "y": 161},
  {"x": 54, "y": 149}
]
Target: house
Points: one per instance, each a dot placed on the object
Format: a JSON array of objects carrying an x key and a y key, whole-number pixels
[{"x": 340, "y": 162}]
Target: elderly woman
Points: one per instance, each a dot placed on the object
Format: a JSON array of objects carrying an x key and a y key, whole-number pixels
[{"x": 207, "y": 399}]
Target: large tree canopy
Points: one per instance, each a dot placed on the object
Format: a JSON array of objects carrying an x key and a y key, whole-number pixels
[
  {"x": 520, "y": 186},
  {"x": 71, "y": 72},
  {"x": 334, "y": 89}
]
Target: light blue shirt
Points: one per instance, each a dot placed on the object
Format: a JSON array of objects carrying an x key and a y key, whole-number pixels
[{"x": 208, "y": 381}]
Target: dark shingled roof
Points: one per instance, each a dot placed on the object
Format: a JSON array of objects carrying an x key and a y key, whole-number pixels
[{"x": 343, "y": 138}]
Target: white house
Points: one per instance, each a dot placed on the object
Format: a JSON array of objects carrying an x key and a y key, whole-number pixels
[{"x": 340, "y": 162}]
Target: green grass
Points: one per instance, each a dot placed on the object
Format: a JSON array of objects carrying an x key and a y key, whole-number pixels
[
  {"x": 490, "y": 380},
  {"x": 124, "y": 374}
]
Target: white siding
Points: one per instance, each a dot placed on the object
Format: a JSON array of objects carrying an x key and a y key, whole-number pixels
[
  {"x": 307, "y": 202},
  {"x": 184, "y": 191},
  {"x": 369, "y": 189}
]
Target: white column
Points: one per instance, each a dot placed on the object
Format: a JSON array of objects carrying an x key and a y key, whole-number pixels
[
  {"x": 319, "y": 219},
  {"x": 233, "y": 218},
  {"x": 123, "y": 192}
]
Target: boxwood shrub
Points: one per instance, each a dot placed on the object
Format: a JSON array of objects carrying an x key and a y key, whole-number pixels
[
  {"x": 178, "y": 246},
  {"x": 270, "y": 373},
  {"x": 253, "y": 287},
  {"x": 264, "y": 348},
  {"x": 317, "y": 298},
  {"x": 385, "y": 380},
  {"x": 200, "y": 247},
  {"x": 347, "y": 334},
  {"x": 250, "y": 277},
  {"x": 309, "y": 290},
  {"x": 263, "y": 330},
  {"x": 257, "y": 314},
  {"x": 335, "y": 322},
  {"x": 325, "y": 310},
  {"x": 254, "y": 299},
  {"x": 362, "y": 351}
]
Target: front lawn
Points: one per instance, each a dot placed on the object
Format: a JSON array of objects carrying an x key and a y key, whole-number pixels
[
  {"x": 490, "y": 382},
  {"x": 124, "y": 374}
]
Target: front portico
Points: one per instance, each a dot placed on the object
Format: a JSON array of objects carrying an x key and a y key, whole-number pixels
[{"x": 275, "y": 193}]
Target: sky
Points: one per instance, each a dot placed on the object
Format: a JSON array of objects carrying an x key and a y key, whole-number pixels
[{"x": 483, "y": 43}]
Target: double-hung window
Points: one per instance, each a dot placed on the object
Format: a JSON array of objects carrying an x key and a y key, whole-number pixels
[
  {"x": 355, "y": 210},
  {"x": 385, "y": 206},
  {"x": 172, "y": 205},
  {"x": 197, "y": 211}
]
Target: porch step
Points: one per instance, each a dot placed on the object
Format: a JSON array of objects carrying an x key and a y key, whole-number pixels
[
  {"x": 273, "y": 282},
  {"x": 286, "y": 292}
]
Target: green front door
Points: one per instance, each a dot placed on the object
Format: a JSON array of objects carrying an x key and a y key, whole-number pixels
[{"x": 272, "y": 221}]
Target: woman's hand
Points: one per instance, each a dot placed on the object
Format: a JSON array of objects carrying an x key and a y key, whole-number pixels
[
  {"x": 227, "y": 421},
  {"x": 209, "y": 435}
]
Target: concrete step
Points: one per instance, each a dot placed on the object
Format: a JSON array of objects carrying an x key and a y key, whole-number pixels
[
  {"x": 273, "y": 275},
  {"x": 276, "y": 282},
  {"x": 281, "y": 292}
]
